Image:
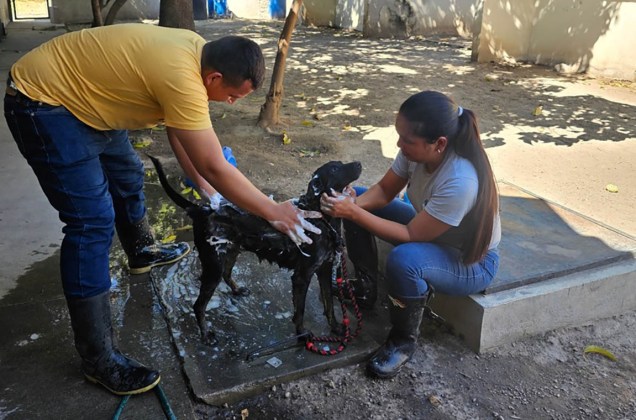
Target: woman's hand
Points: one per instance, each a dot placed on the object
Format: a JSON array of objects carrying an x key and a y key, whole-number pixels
[
  {"x": 339, "y": 204},
  {"x": 291, "y": 221}
]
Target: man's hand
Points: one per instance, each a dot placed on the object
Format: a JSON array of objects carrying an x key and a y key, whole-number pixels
[{"x": 292, "y": 222}]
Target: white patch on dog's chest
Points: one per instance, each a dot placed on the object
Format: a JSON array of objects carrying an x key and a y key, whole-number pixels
[{"x": 216, "y": 242}]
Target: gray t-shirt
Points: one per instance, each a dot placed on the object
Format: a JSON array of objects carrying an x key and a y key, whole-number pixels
[{"x": 447, "y": 194}]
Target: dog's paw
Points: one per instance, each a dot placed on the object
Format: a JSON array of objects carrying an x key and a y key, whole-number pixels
[
  {"x": 236, "y": 289},
  {"x": 241, "y": 291},
  {"x": 338, "y": 329},
  {"x": 303, "y": 334},
  {"x": 209, "y": 339}
]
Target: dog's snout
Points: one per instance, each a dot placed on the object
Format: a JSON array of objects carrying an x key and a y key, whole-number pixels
[{"x": 356, "y": 168}]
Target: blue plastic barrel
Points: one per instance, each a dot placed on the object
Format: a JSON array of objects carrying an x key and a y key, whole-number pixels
[
  {"x": 227, "y": 154},
  {"x": 217, "y": 8},
  {"x": 277, "y": 9}
]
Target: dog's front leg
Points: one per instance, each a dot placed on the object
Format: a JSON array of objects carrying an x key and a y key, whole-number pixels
[
  {"x": 325, "y": 277},
  {"x": 300, "y": 285},
  {"x": 211, "y": 274}
]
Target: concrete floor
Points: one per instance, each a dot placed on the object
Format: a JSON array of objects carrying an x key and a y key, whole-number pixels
[{"x": 39, "y": 370}]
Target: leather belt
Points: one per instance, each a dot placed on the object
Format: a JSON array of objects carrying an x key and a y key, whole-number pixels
[{"x": 12, "y": 89}]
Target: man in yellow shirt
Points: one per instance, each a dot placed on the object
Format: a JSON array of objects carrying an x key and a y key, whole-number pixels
[{"x": 69, "y": 104}]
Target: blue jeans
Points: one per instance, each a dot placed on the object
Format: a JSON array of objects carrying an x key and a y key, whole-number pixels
[
  {"x": 90, "y": 177},
  {"x": 414, "y": 266}
]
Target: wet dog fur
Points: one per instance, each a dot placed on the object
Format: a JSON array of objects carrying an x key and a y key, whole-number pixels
[{"x": 220, "y": 235}]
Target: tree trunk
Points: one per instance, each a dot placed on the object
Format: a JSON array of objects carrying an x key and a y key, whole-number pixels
[
  {"x": 200, "y": 9},
  {"x": 112, "y": 13},
  {"x": 96, "y": 5},
  {"x": 269, "y": 115},
  {"x": 176, "y": 14}
]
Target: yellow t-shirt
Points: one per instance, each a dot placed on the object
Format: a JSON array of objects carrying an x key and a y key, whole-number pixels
[{"x": 127, "y": 76}]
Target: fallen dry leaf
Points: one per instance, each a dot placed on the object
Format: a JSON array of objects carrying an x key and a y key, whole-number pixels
[
  {"x": 612, "y": 188},
  {"x": 142, "y": 142},
  {"x": 601, "y": 351},
  {"x": 169, "y": 239},
  {"x": 537, "y": 111},
  {"x": 286, "y": 139},
  {"x": 435, "y": 400}
]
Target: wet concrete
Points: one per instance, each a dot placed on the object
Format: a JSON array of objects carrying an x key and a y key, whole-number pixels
[
  {"x": 40, "y": 373},
  {"x": 239, "y": 366},
  {"x": 153, "y": 319},
  {"x": 25, "y": 214},
  {"x": 244, "y": 324}
]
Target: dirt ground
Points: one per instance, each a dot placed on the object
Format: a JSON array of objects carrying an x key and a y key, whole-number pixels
[{"x": 342, "y": 93}]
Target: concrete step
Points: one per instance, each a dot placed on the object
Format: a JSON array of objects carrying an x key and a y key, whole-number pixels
[
  {"x": 558, "y": 268},
  {"x": 487, "y": 321}
]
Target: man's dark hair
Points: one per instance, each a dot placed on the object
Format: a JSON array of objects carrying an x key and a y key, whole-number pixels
[{"x": 237, "y": 58}]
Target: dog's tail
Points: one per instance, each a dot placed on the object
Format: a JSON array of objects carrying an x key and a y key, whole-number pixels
[{"x": 178, "y": 199}]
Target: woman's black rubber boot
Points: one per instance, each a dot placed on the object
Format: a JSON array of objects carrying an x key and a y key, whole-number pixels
[
  {"x": 143, "y": 252},
  {"x": 363, "y": 253},
  {"x": 102, "y": 362},
  {"x": 406, "y": 317}
]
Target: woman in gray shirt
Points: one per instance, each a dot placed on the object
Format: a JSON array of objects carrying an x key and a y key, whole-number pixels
[{"x": 445, "y": 239}]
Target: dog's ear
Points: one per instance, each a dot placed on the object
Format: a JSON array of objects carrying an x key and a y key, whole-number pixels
[{"x": 315, "y": 187}]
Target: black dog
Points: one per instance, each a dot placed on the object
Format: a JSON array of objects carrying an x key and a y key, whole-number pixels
[{"x": 220, "y": 235}]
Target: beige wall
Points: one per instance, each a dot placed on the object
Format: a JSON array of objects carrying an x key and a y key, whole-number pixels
[
  {"x": 506, "y": 28},
  {"x": 403, "y": 18},
  {"x": 614, "y": 53},
  {"x": 320, "y": 12},
  {"x": 592, "y": 36},
  {"x": 5, "y": 18},
  {"x": 598, "y": 37},
  {"x": 350, "y": 14},
  {"x": 249, "y": 9},
  {"x": 79, "y": 11},
  {"x": 347, "y": 14},
  {"x": 395, "y": 18}
]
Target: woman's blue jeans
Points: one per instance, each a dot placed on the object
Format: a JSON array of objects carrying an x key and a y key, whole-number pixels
[
  {"x": 414, "y": 266},
  {"x": 90, "y": 177}
]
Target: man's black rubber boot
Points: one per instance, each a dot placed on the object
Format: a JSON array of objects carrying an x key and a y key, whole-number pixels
[
  {"x": 363, "y": 253},
  {"x": 406, "y": 317},
  {"x": 102, "y": 362},
  {"x": 143, "y": 252}
]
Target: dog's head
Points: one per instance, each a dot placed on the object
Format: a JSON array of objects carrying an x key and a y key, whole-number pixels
[{"x": 332, "y": 175}]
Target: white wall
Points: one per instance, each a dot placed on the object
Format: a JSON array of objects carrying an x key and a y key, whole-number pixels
[
  {"x": 347, "y": 14},
  {"x": 614, "y": 53},
  {"x": 4, "y": 14},
  {"x": 403, "y": 18},
  {"x": 253, "y": 9},
  {"x": 592, "y": 36},
  {"x": 350, "y": 14},
  {"x": 79, "y": 11},
  {"x": 598, "y": 37},
  {"x": 320, "y": 12},
  {"x": 506, "y": 29},
  {"x": 249, "y": 9},
  {"x": 395, "y": 18}
]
